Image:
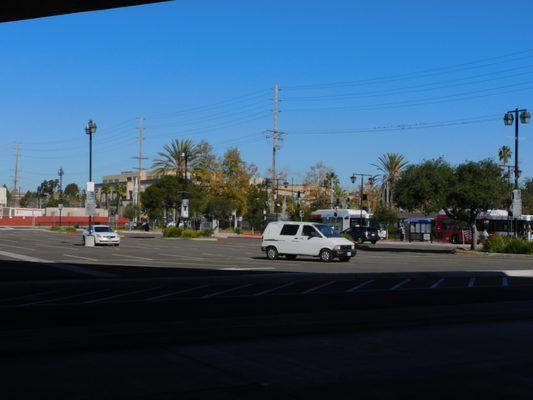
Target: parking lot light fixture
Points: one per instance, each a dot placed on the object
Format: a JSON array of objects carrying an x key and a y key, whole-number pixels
[
  {"x": 90, "y": 129},
  {"x": 515, "y": 116}
]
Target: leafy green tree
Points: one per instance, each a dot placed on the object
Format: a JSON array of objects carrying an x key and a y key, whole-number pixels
[
  {"x": 29, "y": 199},
  {"x": 386, "y": 215},
  {"x": 319, "y": 180},
  {"x": 257, "y": 200},
  {"x": 236, "y": 179},
  {"x": 220, "y": 208},
  {"x": 72, "y": 190},
  {"x": 424, "y": 186},
  {"x": 478, "y": 187}
]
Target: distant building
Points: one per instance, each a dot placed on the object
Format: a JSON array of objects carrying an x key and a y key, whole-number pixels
[
  {"x": 3, "y": 196},
  {"x": 129, "y": 178}
]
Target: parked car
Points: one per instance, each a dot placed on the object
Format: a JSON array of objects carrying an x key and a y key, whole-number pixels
[
  {"x": 362, "y": 234},
  {"x": 103, "y": 234},
  {"x": 292, "y": 239}
]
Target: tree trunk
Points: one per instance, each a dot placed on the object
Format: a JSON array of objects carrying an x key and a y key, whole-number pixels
[{"x": 473, "y": 236}]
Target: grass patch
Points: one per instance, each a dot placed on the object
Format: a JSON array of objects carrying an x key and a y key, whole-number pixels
[{"x": 55, "y": 228}]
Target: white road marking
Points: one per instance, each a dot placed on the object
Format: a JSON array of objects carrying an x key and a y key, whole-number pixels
[
  {"x": 318, "y": 287},
  {"x": 505, "y": 281},
  {"x": 525, "y": 273},
  {"x": 437, "y": 283},
  {"x": 63, "y": 298},
  {"x": 22, "y": 257},
  {"x": 17, "y": 247},
  {"x": 471, "y": 282},
  {"x": 398, "y": 285},
  {"x": 134, "y": 257},
  {"x": 83, "y": 258},
  {"x": 120, "y": 295},
  {"x": 186, "y": 257},
  {"x": 274, "y": 289},
  {"x": 356, "y": 288},
  {"x": 27, "y": 295},
  {"x": 177, "y": 292},
  {"x": 207, "y": 296}
]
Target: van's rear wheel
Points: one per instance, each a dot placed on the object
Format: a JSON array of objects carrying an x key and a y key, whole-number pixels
[
  {"x": 325, "y": 255},
  {"x": 360, "y": 240},
  {"x": 291, "y": 256},
  {"x": 272, "y": 253}
]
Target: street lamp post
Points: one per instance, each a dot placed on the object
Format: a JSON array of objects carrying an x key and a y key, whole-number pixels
[
  {"x": 508, "y": 119},
  {"x": 353, "y": 178},
  {"x": 60, "y": 205},
  {"x": 90, "y": 129}
]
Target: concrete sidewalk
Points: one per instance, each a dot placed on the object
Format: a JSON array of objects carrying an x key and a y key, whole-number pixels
[{"x": 417, "y": 247}]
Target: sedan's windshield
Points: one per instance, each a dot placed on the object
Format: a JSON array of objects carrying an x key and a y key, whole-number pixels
[
  {"x": 102, "y": 229},
  {"x": 327, "y": 230}
]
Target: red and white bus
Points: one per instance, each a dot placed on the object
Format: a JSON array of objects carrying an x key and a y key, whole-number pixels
[{"x": 495, "y": 222}]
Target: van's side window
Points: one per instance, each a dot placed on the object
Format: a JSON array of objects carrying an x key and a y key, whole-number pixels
[
  {"x": 308, "y": 230},
  {"x": 289, "y": 230}
]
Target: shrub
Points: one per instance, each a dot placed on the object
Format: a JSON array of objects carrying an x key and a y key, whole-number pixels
[
  {"x": 55, "y": 228},
  {"x": 238, "y": 231},
  {"x": 172, "y": 231},
  {"x": 70, "y": 229},
  {"x": 495, "y": 244},
  {"x": 190, "y": 233},
  {"x": 503, "y": 244},
  {"x": 206, "y": 232}
]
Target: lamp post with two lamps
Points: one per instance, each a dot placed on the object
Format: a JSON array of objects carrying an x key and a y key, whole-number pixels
[
  {"x": 508, "y": 119},
  {"x": 353, "y": 178},
  {"x": 90, "y": 129}
]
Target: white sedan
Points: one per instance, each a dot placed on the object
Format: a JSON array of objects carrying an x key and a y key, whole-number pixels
[{"x": 103, "y": 234}]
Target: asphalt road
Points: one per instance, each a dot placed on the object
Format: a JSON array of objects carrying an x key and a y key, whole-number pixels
[{"x": 161, "y": 318}]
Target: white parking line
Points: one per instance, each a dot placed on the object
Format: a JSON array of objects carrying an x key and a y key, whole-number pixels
[
  {"x": 17, "y": 247},
  {"x": 318, "y": 287},
  {"x": 274, "y": 289},
  {"x": 83, "y": 258},
  {"x": 27, "y": 295},
  {"x": 135, "y": 257},
  {"x": 186, "y": 257},
  {"x": 505, "y": 281},
  {"x": 437, "y": 283},
  {"x": 356, "y": 288},
  {"x": 398, "y": 285},
  {"x": 22, "y": 257},
  {"x": 120, "y": 295},
  {"x": 471, "y": 282},
  {"x": 177, "y": 292},
  {"x": 207, "y": 296},
  {"x": 63, "y": 298}
]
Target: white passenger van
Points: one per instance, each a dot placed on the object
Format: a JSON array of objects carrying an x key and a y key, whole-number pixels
[{"x": 292, "y": 239}]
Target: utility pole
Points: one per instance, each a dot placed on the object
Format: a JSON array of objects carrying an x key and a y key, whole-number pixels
[
  {"x": 276, "y": 137},
  {"x": 15, "y": 195},
  {"x": 139, "y": 159}
]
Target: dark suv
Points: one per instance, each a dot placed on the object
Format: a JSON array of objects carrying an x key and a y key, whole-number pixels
[{"x": 361, "y": 234}]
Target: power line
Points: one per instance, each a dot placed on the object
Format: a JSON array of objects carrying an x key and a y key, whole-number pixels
[{"x": 422, "y": 73}]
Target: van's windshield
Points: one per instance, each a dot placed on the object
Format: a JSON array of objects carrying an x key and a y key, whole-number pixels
[{"x": 327, "y": 230}]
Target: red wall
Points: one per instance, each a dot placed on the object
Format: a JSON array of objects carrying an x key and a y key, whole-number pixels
[{"x": 50, "y": 221}]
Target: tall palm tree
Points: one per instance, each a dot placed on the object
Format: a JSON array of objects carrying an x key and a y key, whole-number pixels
[
  {"x": 391, "y": 165},
  {"x": 120, "y": 191},
  {"x": 504, "y": 154},
  {"x": 106, "y": 189},
  {"x": 175, "y": 155}
]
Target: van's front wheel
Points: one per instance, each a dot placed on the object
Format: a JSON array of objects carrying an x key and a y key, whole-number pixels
[
  {"x": 272, "y": 253},
  {"x": 325, "y": 255}
]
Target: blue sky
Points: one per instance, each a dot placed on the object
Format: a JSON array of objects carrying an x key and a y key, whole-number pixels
[{"x": 203, "y": 70}]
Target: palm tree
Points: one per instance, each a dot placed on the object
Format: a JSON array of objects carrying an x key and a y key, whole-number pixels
[
  {"x": 106, "y": 189},
  {"x": 504, "y": 154},
  {"x": 174, "y": 156},
  {"x": 120, "y": 191},
  {"x": 392, "y": 165}
]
